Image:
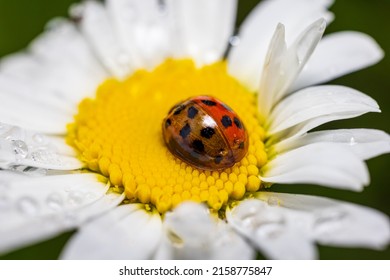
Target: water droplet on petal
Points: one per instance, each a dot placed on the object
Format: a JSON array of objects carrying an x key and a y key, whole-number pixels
[
  {"x": 55, "y": 201},
  {"x": 322, "y": 26},
  {"x": 234, "y": 40},
  {"x": 38, "y": 172},
  {"x": 13, "y": 133},
  {"x": 46, "y": 156},
  {"x": 20, "y": 149},
  {"x": 273, "y": 201},
  {"x": 90, "y": 196},
  {"x": 76, "y": 197},
  {"x": 352, "y": 141},
  {"x": 28, "y": 206},
  {"x": 39, "y": 139}
]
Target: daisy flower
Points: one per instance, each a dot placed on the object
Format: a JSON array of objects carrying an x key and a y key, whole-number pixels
[{"x": 81, "y": 143}]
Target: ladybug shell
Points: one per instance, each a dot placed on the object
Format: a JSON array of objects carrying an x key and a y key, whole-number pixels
[{"x": 205, "y": 133}]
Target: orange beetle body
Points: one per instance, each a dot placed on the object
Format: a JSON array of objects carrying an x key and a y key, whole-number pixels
[{"x": 205, "y": 133}]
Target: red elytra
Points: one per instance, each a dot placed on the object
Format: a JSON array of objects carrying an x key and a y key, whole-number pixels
[{"x": 205, "y": 133}]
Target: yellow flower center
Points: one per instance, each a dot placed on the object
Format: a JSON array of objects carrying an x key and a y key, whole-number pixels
[{"x": 119, "y": 134}]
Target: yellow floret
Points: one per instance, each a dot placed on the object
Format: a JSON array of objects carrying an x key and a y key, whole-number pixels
[{"x": 118, "y": 134}]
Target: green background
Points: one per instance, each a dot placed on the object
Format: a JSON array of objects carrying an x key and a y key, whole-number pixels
[{"x": 22, "y": 20}]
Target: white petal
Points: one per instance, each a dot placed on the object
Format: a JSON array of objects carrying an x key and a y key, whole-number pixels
[
  {"x": 269, "y": 83},
  {"x": 191, "y": 233},
  {"x": 29, "y": 93},
  {"x": 187, "y": 233},
  {"x": 282, "y": 65},
  {"x": 36, "y": 208},
  {"x": 59, "y": 65},
  {"x": 98, "y": 29},
  {"x": 38, "y": 229},
  {"x": 24, "y": 148},
  {"x": 127, "y": 232},
  {"x": 57, "y": 142},
  {"x": 339, "y": 54},
  {"x": 70, "y": 191},
  {"x": 106, "y": 203},
  {"x": 313, "y": 106},
  {"x": 365, "y": 143},
  {"x": 69, "y": 64},
  {"x": 247, "y": 59},
  {"x": 229, "y": 245},
  {"x": 274, "y": 232},
  {"x": 32, "y": 114},
  {"x": 333, "y": 222},
  {"x": 202, "y": 27},
  {"x": 326, "y": 164},
  {"x": 142, "y": 29}
]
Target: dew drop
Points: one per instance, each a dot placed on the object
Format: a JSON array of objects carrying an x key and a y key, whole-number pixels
[
  {"x": 55, "y": 202},
  {"x": 234, "y": 41},
  {"x": 31, "y": 171},
  {"x": 39, "y": 139},
  {"x": 20, "y": 149},
  {"x": 28, "y": 206},
  {"x": 273, "y": 201},
  {"x": 322, "y": 26},
  {"x": 352, "y": 141},
  {"x": 13, "y": 133},
  {"x": 38, "y": 172},
  {"x": 90, "y": 196},
  {"x": 76, "y": 197},
  {"x": 45, "y": 156}
]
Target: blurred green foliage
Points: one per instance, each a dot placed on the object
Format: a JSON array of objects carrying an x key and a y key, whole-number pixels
[{"x": 22, "y": 20}]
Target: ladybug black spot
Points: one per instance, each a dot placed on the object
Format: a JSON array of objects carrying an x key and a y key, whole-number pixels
[
  {"x": 198, "y": 146},
  {"x": 178, "y": 109},
  {"x": 167, "y": 123},
  {"x": 226, "y": 121},
  {"x": 185, "y": 131},
  {"x": 237, "y": 123},
  {"x": 192, "y": 111},
  {"x": 218, "y": 159},
  {"x": 209, "y": 102},
  {"x": 241, "y": 146},
  {"x": 207, "y": 132}
]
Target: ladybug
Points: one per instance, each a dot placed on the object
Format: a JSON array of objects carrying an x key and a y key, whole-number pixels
[{"x": 205, "y": 133}]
